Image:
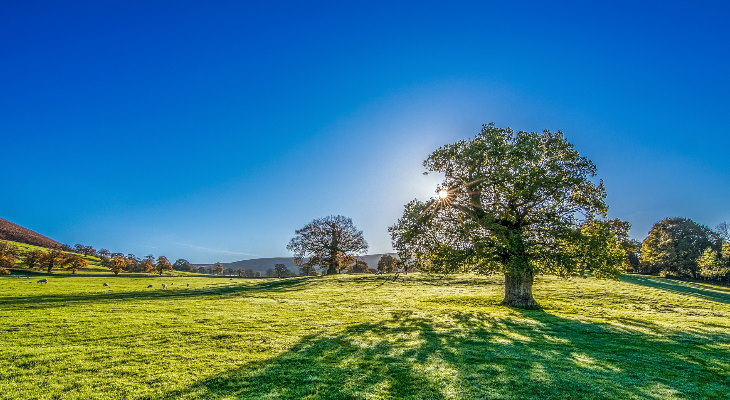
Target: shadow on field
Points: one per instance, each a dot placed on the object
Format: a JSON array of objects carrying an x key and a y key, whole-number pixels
[
  {"x": 531, "y": 355},
  {"x": 54, "y": 300},
  {"x": 680, "y": 287}
]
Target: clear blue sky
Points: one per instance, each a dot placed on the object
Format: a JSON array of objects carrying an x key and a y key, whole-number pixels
[{"x": 212, "y": 130}]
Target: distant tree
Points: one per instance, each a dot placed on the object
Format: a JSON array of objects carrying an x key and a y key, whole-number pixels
[
  {"x": 104, "y": 253},
  {"x": 597, "y": 248},
  {"x": 249, "y": 273},
  {"x": 307, "y": 270},
  {"x": 713, "y": 264},
  {"x": 281, "y": 271},
  {"x": 510, "y": 203},
  {"x": 75, "y": 262},
  {"x": 34, "y": 258},
  {"x": 162, "y": 265},
  {"x": 202, "y": 270},
  {"x": 387, "y": 263},
  {"x": 8, "y": 255},
  {"x": 723, "y": 231},
  {"x": 217, "y": 268},
  {"x": 360, "y": 267},
  {"x": 116, "y": 263},
  {"x": 183, "y": 265},
  {"x": 147, "y": 265},
  {"x": 85, "y": 250},
  {"x": 134, "y": 263},
  {"x": 329, "y": 242},
  {"x": 239, "y": 273},
  {"x": 53, "y": 258},
  {"x": 271, "y": 273},
  {"x": 674, "y": 245}
]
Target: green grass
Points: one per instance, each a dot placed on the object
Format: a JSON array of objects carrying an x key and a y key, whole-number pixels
[{"x": 352, "y": 337}]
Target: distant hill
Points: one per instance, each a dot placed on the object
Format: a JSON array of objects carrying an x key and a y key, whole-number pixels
[
  {"x": 16, "y": 233},
  {"x": 262, "y": 264}
]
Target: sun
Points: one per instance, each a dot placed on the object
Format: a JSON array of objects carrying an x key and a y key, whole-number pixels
[{"x": 443, "y": 193}]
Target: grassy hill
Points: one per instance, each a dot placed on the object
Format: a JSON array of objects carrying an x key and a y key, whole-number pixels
[
  {"x": 361, "y": 337},
  {"x": 16, "y": 233}
]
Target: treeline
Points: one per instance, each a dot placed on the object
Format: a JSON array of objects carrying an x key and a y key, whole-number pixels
[
  {"x": 682, "y": 248},
  {"x": 46, "y": 260}
]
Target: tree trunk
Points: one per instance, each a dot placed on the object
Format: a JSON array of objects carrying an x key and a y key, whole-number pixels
[
  {"x": 518, "y": 290},
  {"x": 332, "y": 269}
]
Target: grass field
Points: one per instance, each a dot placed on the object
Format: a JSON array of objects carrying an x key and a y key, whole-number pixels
[{"x": 352, "y": 337}]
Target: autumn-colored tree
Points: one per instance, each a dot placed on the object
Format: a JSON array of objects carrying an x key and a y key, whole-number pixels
[
  {"x": 34, "y": 258},
  {"x": 162, "y": 265},
  {"x": 53, "y": 258},
  {"x": 329, "y": 242},
  {"x": 510, "y": 203},
  {"x": 116, "y": 263},
  {"x": 75, "y": 262},
  {"x": 387, "y": 263},
  {"x": 8, "y": 256}
]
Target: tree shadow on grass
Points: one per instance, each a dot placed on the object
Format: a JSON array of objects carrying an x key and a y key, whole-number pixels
[
  {"x": 531, "y": 355},
  {"x": 680, "y": 287},
  {"x": 57, "y": 300}
]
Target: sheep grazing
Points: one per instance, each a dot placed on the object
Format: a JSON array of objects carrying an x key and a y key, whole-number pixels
[
  {"x": 149, "y": 286},
  {"x": 187, "y": 284},
  {"x": 42, "y": 281},
  {"x": 172, "y": 283},
  {"x": 106, "y": 284},
  {"x": 164, "y": 286}
]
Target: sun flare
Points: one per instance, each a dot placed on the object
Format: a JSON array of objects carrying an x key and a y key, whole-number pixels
[{"x": 443, "y": 193}]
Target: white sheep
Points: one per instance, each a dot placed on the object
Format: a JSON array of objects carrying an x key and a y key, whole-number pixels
[
  {"x": 42, "y": 280},
  {"x": 106, "y": 284},
  {"x": 164, "y": 286}
]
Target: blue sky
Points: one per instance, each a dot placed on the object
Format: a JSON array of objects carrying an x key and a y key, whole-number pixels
[{"x": 211, "y": 131}]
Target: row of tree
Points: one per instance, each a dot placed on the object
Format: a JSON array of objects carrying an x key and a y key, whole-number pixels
[{"x": 47, "y": 260}]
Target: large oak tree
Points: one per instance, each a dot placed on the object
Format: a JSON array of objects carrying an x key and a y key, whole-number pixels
[
  {"x": 329, "y": 242},
  {"x": 516, "y": 203}
]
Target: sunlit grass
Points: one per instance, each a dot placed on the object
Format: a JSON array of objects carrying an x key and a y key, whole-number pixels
[{"x": 361, "y": 337}]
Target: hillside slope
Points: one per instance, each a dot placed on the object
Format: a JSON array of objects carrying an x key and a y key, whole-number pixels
[{"x": 17, "y": 233}]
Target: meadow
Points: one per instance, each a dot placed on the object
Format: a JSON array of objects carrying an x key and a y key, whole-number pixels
[{"x": 360, "y": 337}]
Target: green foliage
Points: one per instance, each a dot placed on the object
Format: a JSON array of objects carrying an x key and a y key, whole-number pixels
[
  {"x": 713, "y": 264},
  {"x": 361, "y": 337},
  {"x": 282, "y": 271},
  {"x": 387, "y": 263},
  {"x": 183, "y": 265},
  {"x": 673, "y": 247},
  {"x": 360, "y": 267},
  {"x": 512, "y": 203}
]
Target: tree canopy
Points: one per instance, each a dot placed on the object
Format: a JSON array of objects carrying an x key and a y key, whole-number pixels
[
  {"x": 329, "y": 242},
  {"x": 674, "y": 245},
  {"x": 517, "y": 203}
]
